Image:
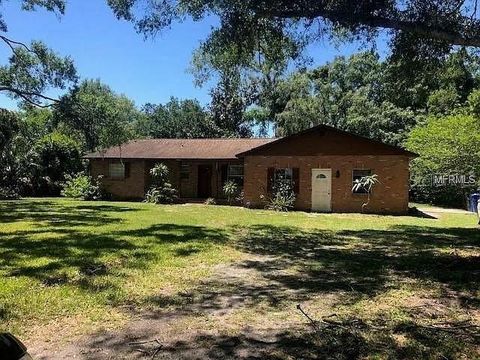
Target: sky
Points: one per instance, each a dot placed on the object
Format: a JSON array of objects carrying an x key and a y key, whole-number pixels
[{"x": 102, "y": 47}]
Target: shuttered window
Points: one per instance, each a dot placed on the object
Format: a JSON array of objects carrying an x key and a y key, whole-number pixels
[
  {"x": 184, "y": 171},
  {"x": 291, "y": 175},
  {"x": 235, "y": 174},
  {"x": 116, "y": 170}
]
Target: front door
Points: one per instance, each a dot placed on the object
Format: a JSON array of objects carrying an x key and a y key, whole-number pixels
[
  {"x": 204, "y": 181},
  {"x": 322, "y": 190}
]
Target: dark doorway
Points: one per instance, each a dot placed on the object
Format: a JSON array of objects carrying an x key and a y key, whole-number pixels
[{"x": 204, "y": 181}]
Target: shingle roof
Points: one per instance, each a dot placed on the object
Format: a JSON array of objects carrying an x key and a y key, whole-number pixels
[{"x": 180, "y": 149}]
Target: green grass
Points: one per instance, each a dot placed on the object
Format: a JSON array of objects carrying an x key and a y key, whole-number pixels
[{"x": 89, "y": 263}]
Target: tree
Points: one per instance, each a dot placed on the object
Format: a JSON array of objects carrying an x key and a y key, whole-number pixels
[
  {"x": 54, "y": 158},
  {"x": 228, "y": 106},
  {"x": 447, "y": 146},
  {"x": 176, "y": 119},
  {"x": 414, "y": 24},
  {"x": 9, "y": 128},
  {"x": 32, "y": 69},
  {"x": 101, "y": 117},
  {"x": 347, "y": 93}
]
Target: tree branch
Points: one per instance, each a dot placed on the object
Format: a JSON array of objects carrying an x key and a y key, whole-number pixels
[
  {"x": 12, "y": 43},
  {"x": 26, "y": 95},
  {"x": 377, "y": 21}
]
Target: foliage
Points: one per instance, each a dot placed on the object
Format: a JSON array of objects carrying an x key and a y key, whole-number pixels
[
  {"x": 53, "y": 157},
  {"x": 210, "y": 201},
  {"x": 282, "y": 197},
  {"x": 365, "y": 183},
  {"x": 97, "y": 114},
  {"x": 83, "y": 187},
  {"x": 260, "y": 39},
  {"x": 228, "y": 106},
  {"x": 161, "y": 191},
  {"x": 447, "y": 145},
  {"x": 231, "y": 190},
  {"x": 443, "y": 102},
  {"x": 33, "y": 69},
  {"x": 176, "y": 119},
  {"x": 347, "y": 93},
  {"x": 7, "y": 193}
]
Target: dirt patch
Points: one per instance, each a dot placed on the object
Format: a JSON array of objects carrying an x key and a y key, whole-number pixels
[{"x": 218, "y": 318}]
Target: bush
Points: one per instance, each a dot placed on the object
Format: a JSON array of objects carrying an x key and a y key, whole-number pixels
[
  {"x": 231, "y": 190},
  {"x": 83, "y": 187},
  {"x": 161, "y": 191},
  {"x": 53, "y": 157},
  {"x": 447, "y": 146},
  {"x": 282, "y": 197},
  {"x": 210, "y": 201},
  {"x": 8, "y": 194}
]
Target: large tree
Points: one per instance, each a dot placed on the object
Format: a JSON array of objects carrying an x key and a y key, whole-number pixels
[
  {"x": 32, "y": 69},
  {"x": 176, "y": 119},
  {"x": 250, "y": 26},
  {"x": 101, "y": 117}
]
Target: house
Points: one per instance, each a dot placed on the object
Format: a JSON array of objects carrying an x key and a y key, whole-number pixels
[{"x": 322, "y": 163}]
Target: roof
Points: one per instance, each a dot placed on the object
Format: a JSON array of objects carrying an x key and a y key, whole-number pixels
[
  {"x": 180, "y": 149},
  {"x": 379, "y": 146},
  {"x": 308, "y": 142}
]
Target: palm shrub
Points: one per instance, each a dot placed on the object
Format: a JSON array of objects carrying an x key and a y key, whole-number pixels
[
  {"x": 367, "y": 184},
  {"x": 231, "y": 190},
  {"x": 82, "y": 187},
  {"x": 161, "y": 191},
  {"x": 282, "y": 197}
]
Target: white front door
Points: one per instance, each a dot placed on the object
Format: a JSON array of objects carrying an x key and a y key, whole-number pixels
[{"x": 322, "y": 190}]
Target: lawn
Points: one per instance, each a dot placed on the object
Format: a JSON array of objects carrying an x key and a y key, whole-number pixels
[{"x": 89, "y": 278}]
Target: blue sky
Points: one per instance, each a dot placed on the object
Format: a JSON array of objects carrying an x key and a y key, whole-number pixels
[{"x": 103, "y": 47}]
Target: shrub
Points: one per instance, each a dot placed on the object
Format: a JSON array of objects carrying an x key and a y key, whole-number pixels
[
  {"x": 210, "y": 201},
  {"x": 282, "y": 197},
  {"x": 447, "y": 145},
  {"x": 231, "y": 190},
  {"x": 52, "y": 158},
  {"x": 161, "y": 191},
  {"x": 8, "y": 194},
  {"x": 83, "y": 187}
]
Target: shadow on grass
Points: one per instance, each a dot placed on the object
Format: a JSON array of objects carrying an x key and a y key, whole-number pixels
[
  {"x": 286, "y": 265},
  {"x": 61, "y": 245},
  {"x": 296, "y": 266},
  {"x": 53, "y": 213}
]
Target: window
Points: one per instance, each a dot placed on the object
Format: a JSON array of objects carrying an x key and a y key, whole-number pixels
[
  {"x": 116, "y": 171},
  {"x": 235, "y": 173},
  {"x": 291, "y": 175},
  {"x": 184, "y": 171},
  {"x": 357, "y": 175},
  {"x": 283, "y": 174}
]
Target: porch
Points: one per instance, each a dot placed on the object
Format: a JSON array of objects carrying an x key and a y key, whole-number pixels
[{"x": 200, "y": 179}]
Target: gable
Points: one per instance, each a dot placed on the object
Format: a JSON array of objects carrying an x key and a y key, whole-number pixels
[{"x": 325, "y": 140}]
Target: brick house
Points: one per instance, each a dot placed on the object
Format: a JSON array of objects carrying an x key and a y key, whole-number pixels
[{"x": 322, "y": 163}]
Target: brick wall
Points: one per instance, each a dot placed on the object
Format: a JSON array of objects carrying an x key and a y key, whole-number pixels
[
  {"x": 132, "y": 187},
  {"x": 139, "y": 181},
  {"x": 390, "y": 196}
]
